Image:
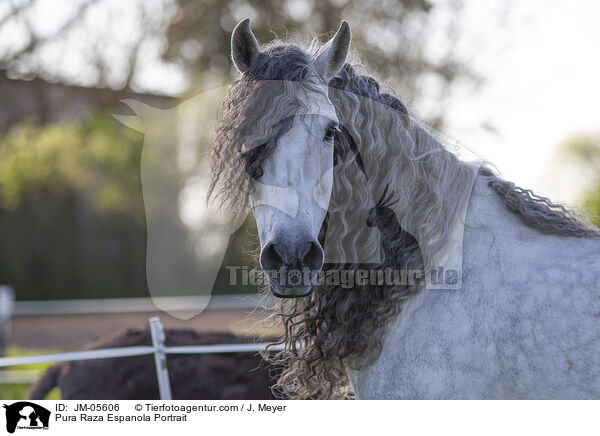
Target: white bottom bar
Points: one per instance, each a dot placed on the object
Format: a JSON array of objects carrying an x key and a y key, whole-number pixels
[{"x": 317, "y": 417}]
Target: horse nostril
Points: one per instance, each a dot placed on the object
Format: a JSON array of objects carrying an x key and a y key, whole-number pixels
[
  {"x": 307, "y": 247},
  {"x": 279, "y": 251},
  {"x": 312, "y": 256},
  {"x": 272, "y": 257}
]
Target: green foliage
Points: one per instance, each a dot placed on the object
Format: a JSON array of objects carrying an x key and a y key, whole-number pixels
[
  {"x": 72, "y": 217},
  {"x": 592, "y": 205},
  {"x": 18, "y": 391},
  {"x": 96, "y": 158},
  {"x": 29, "y": 156},
  {"x": 72, "y": 221},
  {"x": 585, "y": 149}
]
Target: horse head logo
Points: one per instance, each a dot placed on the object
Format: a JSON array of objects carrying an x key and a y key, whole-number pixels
[
  {"x": 187, "y": 237},
  {"x": 26, "y": 414}
]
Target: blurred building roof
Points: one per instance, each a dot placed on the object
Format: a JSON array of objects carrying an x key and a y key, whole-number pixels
[{"x": 45, "y": 102}]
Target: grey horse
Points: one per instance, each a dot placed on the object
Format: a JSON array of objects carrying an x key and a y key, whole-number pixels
[{"x": 372, "y": 188}]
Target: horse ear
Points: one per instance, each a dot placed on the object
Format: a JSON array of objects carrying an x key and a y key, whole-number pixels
[
  {"x": 333, "y": 55},
  {"x": 244, "y": 46}
]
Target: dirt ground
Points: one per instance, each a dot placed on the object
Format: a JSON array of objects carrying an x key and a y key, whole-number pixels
[{"x": 66, "y": 332}]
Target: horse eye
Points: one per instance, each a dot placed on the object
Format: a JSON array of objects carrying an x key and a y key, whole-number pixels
[
  {"x": 330, "y": 133},
  {"x": 252, "y": 159}
]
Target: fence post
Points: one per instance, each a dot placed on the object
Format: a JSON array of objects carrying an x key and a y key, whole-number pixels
[
  {"x": 157, "y": 332},
  {"x": 7, "y": 303}
]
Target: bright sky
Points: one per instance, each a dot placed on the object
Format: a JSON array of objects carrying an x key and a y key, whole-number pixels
[{"x": 541, "y": 71}]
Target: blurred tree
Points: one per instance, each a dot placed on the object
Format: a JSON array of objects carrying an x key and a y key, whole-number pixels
[
  {"x": 87, "y": 42},
  {"x": 584, "y": 148},
  {"x": 72, "y": 219},
  {"x": 409, "y": 43},
  {"x": 73, "y": 223},
  {"x": 396, "y": 38}
]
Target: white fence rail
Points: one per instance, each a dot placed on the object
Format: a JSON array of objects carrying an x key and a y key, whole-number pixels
[
  {"x": 131, "y": 305},
  {"x": 157, "y": 348}
]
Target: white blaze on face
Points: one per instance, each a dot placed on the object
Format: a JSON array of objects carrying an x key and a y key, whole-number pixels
[
  {"x": 322, "y": 190},
  {"x": 283, "y": 199},
  {"x": 294, "y": 191}
]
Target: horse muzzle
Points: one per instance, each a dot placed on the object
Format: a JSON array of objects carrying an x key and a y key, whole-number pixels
[{"x": 291, "y": 266}]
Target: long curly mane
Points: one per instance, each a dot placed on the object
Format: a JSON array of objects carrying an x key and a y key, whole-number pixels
[{"x": 390, "y": 173}]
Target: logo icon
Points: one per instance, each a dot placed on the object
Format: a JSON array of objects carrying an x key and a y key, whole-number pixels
[{"x": 26, "y": 415}]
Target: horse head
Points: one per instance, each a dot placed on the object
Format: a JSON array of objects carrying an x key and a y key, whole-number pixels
[{"x": 294, "y": 164}]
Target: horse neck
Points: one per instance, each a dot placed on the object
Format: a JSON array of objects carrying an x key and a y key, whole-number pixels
[{"x": 437, "y": 200}]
